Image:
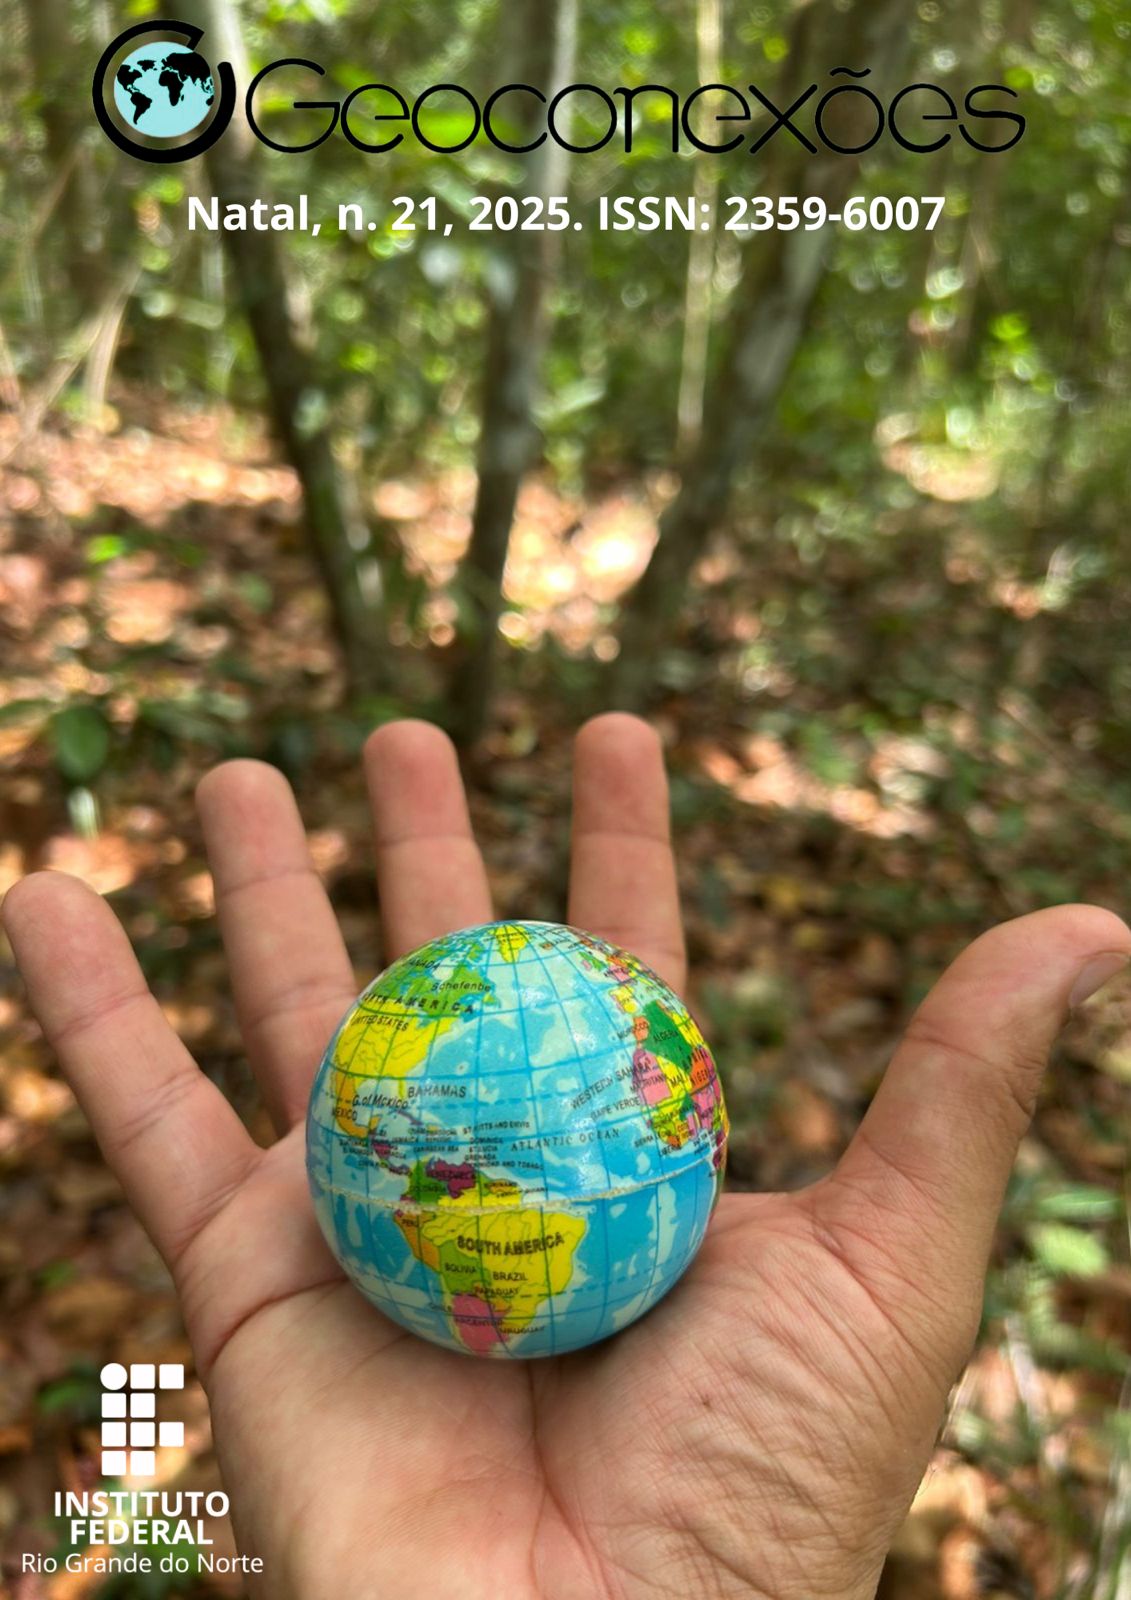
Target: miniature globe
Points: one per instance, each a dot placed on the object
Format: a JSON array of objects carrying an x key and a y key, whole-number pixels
[{"x": 515, "y": 1140}]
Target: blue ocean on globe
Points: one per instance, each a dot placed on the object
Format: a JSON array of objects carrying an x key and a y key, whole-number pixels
[
  {"x": 164, "y": 90},
  {"x": 516, "y": 1139}
]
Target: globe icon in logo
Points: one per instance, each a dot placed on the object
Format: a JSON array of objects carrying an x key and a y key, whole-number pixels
[{"x": 164, "y": 90}]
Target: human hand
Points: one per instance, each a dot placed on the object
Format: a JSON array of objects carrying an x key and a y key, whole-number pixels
[{"x": 759, "y": 1434}]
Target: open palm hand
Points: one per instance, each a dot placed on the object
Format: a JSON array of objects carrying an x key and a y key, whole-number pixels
[{"x": 760, "y": 1434}]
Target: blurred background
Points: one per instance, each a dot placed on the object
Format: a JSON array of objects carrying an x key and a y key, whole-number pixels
[{"x": 849, "y": 524}]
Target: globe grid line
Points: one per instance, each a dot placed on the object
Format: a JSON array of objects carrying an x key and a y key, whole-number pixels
[
  {"x": 627, "y": 1121},
  {"x": 656, "y": 1252},
  {"x": 615, "y": 1191},
  {"x": 614, "y": 1303},
  {"x": 589, "y": 1197},
  {"x": 614, "y": 1054},
  {"x": 366, "y": 1164},
  {"x": 533, "y": 1099},
  {"x": 600, "y": 1148},
  {"x": 418, "y": 1267},
  {"x": 475, "y": 1138},
  {"x": 612, "y": 1193}
]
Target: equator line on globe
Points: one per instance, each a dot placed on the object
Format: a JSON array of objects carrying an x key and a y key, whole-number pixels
[{"x": 516, "y": 1139}]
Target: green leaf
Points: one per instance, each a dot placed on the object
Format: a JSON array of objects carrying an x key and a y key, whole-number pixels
[
  {"x": 17, "y": 711},
  {"x": 1068, "y": 1252},
  {"x": 1010, "y": 327},
  {"x": 76, "y": 1396},
  {"x": 181, "y": 721},
  {"x": 56, "y": 1272},
  {"x": 1077, "y": 1202},
  {"x": 255, "y": 591},
  {"x": 81, "y": 736},
  {"x": 105, "y": 547}
]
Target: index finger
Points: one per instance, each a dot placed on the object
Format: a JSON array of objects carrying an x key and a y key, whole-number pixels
[{"x": 291, "y": 974}]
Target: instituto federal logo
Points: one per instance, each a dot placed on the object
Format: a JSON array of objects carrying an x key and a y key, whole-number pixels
[
  {"x": 130, "y": 1430},
  {"x": 126, "y": 1529},
  {"x": 162, "y": 90}
]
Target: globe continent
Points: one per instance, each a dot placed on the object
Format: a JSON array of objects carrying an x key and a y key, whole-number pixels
[
  {"x": 515, "y": 1140},
  {"x": 164, "y": 90}
]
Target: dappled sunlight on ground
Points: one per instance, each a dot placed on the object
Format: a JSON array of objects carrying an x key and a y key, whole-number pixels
[
  {"x": 949, "y": 472},
  {"x": 943, "y": 473},
  {"x": 147, "y": 474},
  {"x": 771, "y": 775},
  {"x": 568, "y": 561}
]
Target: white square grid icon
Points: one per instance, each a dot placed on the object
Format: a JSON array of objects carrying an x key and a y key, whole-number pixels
[{"x": 128, "y": 1445}]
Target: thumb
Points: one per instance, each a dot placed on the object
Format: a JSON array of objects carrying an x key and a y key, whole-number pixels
[{"x": 931, "y": 1159}]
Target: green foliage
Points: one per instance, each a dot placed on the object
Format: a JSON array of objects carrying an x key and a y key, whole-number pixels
[
  {"x": 81, "y": 738},
  {"x": 77, "y": 1395},
  {"x": 1067, "y": 1252}
]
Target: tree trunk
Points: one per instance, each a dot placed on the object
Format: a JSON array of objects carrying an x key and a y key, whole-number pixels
[
  {"x": 284, "y": 342},
  {"x": 701, "y": 252},
  {"x": 546, "y": 47},
  {"x": 766, "y": 326},
  {"x": 64, "y": 119}
]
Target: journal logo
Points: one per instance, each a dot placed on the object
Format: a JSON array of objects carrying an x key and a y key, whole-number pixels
[
  {"x": 160, "y": 91},
  {"x": 130, "y": 1430},
  {"x": 161, "y": 100}
]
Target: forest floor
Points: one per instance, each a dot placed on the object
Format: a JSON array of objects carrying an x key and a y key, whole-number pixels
[{"x": 872, "y": 760}]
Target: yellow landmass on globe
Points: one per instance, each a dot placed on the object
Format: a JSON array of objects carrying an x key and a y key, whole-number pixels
[
  {"x": 389, "y": 1042},
  {"x": 511, "y": 941},
  {"x": 497, "y": 1259},
  {"x": 686, "y": 1025},
  {"x": 625, "y": 999}
]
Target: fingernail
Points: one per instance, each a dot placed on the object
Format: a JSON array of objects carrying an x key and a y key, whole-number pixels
[{"x": 1094, "y": 975}]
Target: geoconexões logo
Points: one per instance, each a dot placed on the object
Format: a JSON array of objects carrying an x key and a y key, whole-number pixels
[{"x": 150, "y": 99}]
